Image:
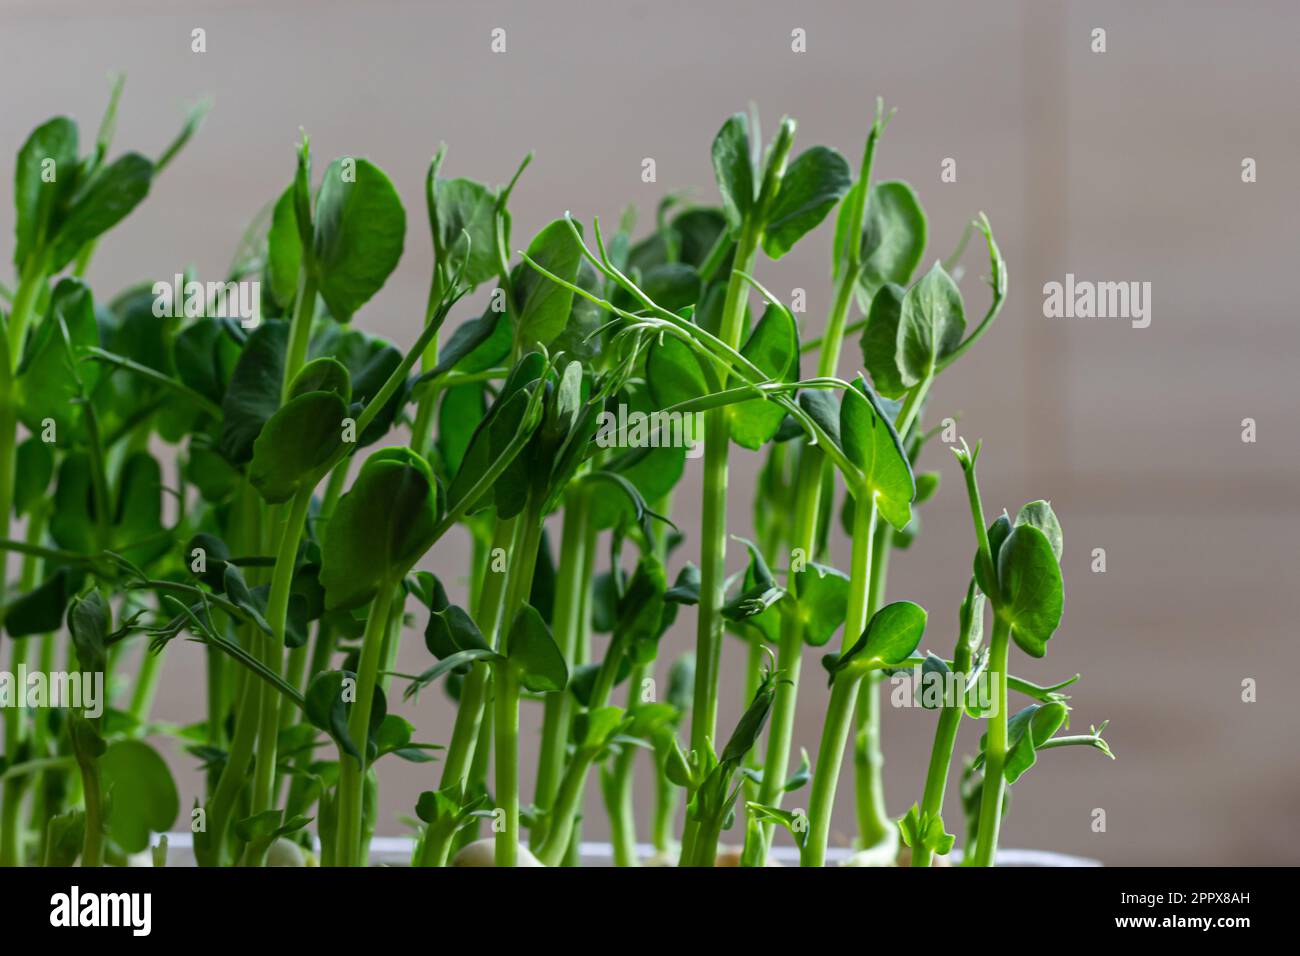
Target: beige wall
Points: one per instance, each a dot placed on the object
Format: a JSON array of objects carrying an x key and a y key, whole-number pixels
[{"x": 1115, "y": 166}]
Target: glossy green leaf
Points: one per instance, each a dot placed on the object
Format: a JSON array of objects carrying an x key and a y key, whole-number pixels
[
  {"x": 297, "y": 444},
  {"x": 360, "y": 228},
  {"x": 543, "y": 305},
  {"x": 931, "y": 325},
  {"x": 466, "y": 222},
  {"x": 822, "y": 603},
  {"x": 872, "y": 445},
  {"x": 1041, "y": 516},
  {"x": 534, "y": 655},
  {"x": 142, "y": 797},
  {"x": 322, "y": 375},
  {"x": 673, "y": 373},
  {"x": 733, "y": 168},
  {"x": 52, "y": 377},
  {"x": 892, "y": 634},
  {"x": 773, "y": 346},
  {"x": 253, "y": 394},
  {"x": 41, "y": 610},
  {"x": 380, "y": 528},
  {"x": 813, "y": 183},
  {"x": 40, "y": 200},
  {"x": 99, "y": 204},
  {"x": 893, "y": 236},
  {"x": 1032, "y": 591},
  {"x": 880, "y": 351},
  {"x": 33, "y": 469},
  {"x": 283, "y": 251}
]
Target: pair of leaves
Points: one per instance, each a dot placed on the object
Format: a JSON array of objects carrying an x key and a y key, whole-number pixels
[
  {"x": 358, "y": 229},
  {"x": 810, "y": 187},
  {"x": 1027, "y": 730},
  {"x": 63, "y": 203},
  {"x": 909, "y": 334},
  {"x": 1029, "y": 591},
  {"x": 919, "y": 829}
]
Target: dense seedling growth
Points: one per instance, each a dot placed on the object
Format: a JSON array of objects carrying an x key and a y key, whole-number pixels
[{"x": 307, "y": 467}]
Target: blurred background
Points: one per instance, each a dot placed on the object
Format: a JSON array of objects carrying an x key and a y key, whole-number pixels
[{"x": 1117, "y": 166}]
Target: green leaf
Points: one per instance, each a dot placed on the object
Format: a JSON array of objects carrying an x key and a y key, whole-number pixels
[
  {"x": 823, "y": 602},
  {"x": 51, "y": 378},
  {"x": 1041, "y": 516},
  {"x": 534, "y": 655},
  {"x": 40, "y": 201},
  {"x": 328, "y": 711},
  {"x": 793, "y": 820},
  {"x": 1027, "y": 730},
  {"x": 101, "y": 203},
  {"x": 673, "y": 285},
  {"x": 297, "y": 444},
  {"x": 931, "y": 325},
  {"x": 360, "y": 227},
  {"x": 893, "y": 235},
  {"x": 1032, "y": 591},
  {"x": 41, "y": 610},
  {"x": 673, "y": 373},
  {"x": 871, "y": 443},
  {"x": 460, "y": 412},
  {"x": 733, "y": 168},
  {"x": 142, "y": 797},
  {"x": 379, "y": 529},
  {"x": 891, "y": 636},
  {"x": 466, "y": 222},
  {"x": 283, "y": 251},
  {"x": 813, "y": 183},
  {"x": 322, "y": 375},
  {"x": 880, "y": 352},
  {"x": 594, "y": 729},
  {"x": 751, "y": 723},
  {"x": 253, "y": 394},
  {"x": 450, "y": 630},
  {"x": 33, "y": 469},
  {"x": 544, "y": 305},
  {"x": 773, "y": 346}
]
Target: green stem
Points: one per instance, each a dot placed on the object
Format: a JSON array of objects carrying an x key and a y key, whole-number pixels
[
  {"x": 458, "y": 760},
  {"x": 507, "y": 763},
  {"x": 352, "y": 772},
  {"x": 572, "y": 577},
  {"x": 844, "y": 690},
  {"x": 146, "y": 684},
  {"x": 277, "y": 613},
  {"x": 299, "y": 334},
  {"x": 506, "y": 684},
  {"x": 780, "y": 734},
  {"x": 936, "y": 777},
  {"x": 713, "y": 523},
  {"x": 568, "y": 801},
  {"x": 248, "y": 708},
  {"x": 995, "y": 752},
  {"x": 618, "y": 788}
]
